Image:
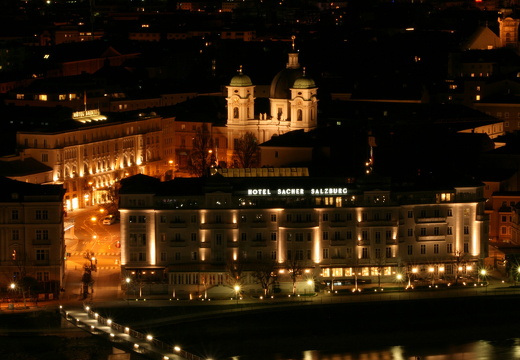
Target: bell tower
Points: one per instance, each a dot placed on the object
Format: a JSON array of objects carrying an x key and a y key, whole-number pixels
[{"x": 240, "y": 99}]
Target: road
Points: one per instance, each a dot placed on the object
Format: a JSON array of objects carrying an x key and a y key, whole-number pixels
[{"x": 89, "y": 235}]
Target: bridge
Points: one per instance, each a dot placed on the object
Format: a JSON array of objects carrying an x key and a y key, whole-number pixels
[{"x": 123, "y": 337}]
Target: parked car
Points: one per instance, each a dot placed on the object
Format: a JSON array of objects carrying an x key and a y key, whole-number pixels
[{"x": 109, "y": 220}]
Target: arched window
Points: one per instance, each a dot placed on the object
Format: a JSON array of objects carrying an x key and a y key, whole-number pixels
[
  {"x": 235, "y": 113},
  {"x": 300, "y": 115}
]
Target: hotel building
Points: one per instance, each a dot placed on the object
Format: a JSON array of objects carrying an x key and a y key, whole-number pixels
[{"x": 189, "y": 232}]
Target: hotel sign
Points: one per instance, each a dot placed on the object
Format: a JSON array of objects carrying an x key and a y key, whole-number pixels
[{"x": 297, "y": 191}]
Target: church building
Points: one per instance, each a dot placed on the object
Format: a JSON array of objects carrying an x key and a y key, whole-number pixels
[{"x": 293, "y": 105}]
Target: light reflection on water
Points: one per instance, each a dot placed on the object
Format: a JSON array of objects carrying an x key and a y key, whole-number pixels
[{"x": 507, "y": 349}]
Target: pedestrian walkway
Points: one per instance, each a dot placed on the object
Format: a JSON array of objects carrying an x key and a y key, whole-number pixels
[{"x": 123, "y": 337}]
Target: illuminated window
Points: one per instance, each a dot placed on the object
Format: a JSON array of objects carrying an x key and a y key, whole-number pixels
[
  {"x": 453, "y": 86},
  {"x": 62, "y": 97},
  {"x": 42, "y": 97},
  {"x": 337, "y": 272},
  {"x": 477, "y": 98},
  {"x": 20, "y": 96}
]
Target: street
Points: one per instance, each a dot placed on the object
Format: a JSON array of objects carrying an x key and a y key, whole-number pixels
[{"x": 89, "y": 235}]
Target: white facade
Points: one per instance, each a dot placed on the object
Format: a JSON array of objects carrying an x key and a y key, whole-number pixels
[{"x": 191, "y": 238}]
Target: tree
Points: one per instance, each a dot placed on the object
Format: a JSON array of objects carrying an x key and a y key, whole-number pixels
[
  {"x": 264, "y": 273},
  {"x": 201, "y": 155},
  {"x": 235, "y": 269},
  {"x": 246, "y": 150},
  {"x": 295, "y": 268}
]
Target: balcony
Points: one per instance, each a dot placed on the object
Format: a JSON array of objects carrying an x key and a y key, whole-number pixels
[
  {"x": 205, "y": 245},
  {"x": 177, "y": 243},
  {"x": 339, "y": 242},
  {"x": 219, "y": 226},
  {"x": 430, "y": 220},
  {"x": 41, "y": 241},
  {"x": 431, "y": 237},
  {"x": 372, "y": 223},
  {"x": 363, "y": 242},
  {"x": 299, "y": 224},
  {"x": 232, "y": 244}
]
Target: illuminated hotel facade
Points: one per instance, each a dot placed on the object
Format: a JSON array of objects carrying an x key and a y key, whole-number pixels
[
  {"x": 89, "y": 158},
  {"x": 188, "y": 233}
]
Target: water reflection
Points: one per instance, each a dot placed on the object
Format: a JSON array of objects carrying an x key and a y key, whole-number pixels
[{"x": 478, "y": 350}]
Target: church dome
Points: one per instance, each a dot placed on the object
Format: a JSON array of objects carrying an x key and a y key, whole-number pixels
[
  {"x": 282, "y": 82},
  {"x": 304, "y": 82},
  {"x": 241, "y": 79}
]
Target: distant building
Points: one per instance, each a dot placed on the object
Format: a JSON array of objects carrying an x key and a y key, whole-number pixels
[
  {"x": 191, "y": 235},
  {"x": 32, "y": 238}
]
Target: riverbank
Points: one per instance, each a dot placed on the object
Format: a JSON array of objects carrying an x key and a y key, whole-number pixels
[{"x": 336, "y": 327}]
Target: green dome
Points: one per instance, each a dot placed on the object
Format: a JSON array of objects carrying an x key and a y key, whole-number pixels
[
  {"x": 304, "y": 83},
  {"x": 241, "y": 79}
]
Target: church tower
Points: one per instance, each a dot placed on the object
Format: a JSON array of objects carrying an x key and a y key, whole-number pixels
[
  {"x": 240, "y": 99},
  {"x": 303, "y": 103}
]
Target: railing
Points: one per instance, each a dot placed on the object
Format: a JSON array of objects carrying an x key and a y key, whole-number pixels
[{"x": 156, "y": 346}]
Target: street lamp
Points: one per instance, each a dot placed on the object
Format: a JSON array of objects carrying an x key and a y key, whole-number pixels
[
  {"x": 237, "y": 290},
  {"x": 310, "y": 282},
  {"x": 128, "y": 281}
]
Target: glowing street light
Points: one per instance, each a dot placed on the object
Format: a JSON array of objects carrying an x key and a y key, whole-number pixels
[{"x": 237, "y": 290}]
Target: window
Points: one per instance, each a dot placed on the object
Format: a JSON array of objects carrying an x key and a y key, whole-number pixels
[
  {"x": 299, "y": 237},
  {"x": 378, "y": 253},
  {"x": 364, "y": 253},
  {"x": 450, "y": 212},
  {"x": 349, "y": 235},
  {"x": 466, "y": 247},
  {"x": 45, "y": 158},
  {"x": 388, "y": 252},
  {"x": 466, "y": 229},
  {"x": 163, "y": 256},
  {"x": 194, "y": 255},
  {"x": 193, "y": 236},
  {"x": 378, "y": 237},
  {"x": 449, "y": 230},
  {"x": 273, "y": 217},
  {"x": 42, "y": 215},
  {"x": 15, "y": 235},
  {"x": 141, "y": 219},
  {"x": 259, "y": 255},
  {"x": 364, "y": 235},
  {"x": 423, "y": 231},
  {"x": 423, "y": 249},
  {"x": 325, "y": 235},
  {"x": 337, "y": 235},
  {"x": 273, "y": 255},
  {"x": 42, "y": 234},
  {"x": 273, "y": 236},
  {"x": 14, "y": 215},
  {"x": 325, "y": 217},
  {"x": 435, "y": 248},
  {"x": 449, "y": 248},
  {"x": 163, "y": 219},
  {"x": 388, "y": 235},
  {"x": 410, "y": 232},
  {"x": 436, "y": 230},
  {"x": 325, "y": 253},
  {"x": 42, "y": 254},
  {"x": 243, "y": 236},
  {"x": 410, "y": 249}
]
